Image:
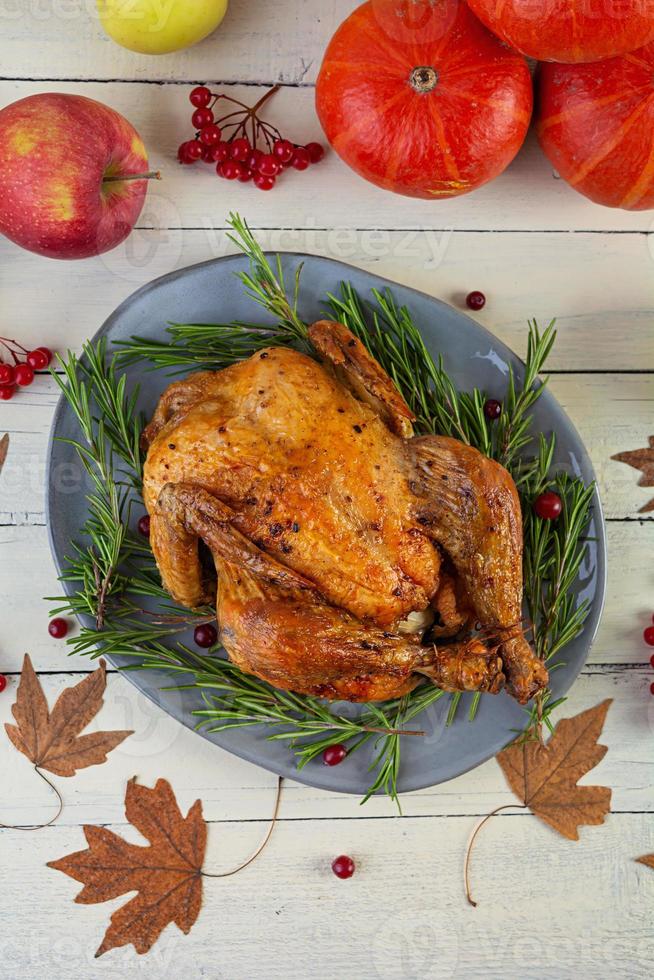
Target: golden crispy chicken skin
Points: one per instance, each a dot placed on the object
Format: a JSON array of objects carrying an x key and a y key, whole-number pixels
[{"x": 328, "y": 522}]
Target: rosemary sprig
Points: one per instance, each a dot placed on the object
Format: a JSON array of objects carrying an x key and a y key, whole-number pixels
[
  {"x": 553, "y": 554},
  {"x": 266, "y": 285},
  {"x": 114, "y": 431},
  {"x": 202, "y": 346},
  {"x": 111, "y": 431}
]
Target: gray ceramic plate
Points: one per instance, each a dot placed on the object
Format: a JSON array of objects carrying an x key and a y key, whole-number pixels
[{"x": 210, "y": 293}]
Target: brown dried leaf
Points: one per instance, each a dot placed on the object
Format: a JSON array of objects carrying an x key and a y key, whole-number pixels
[
  {"x": 52, "y": 741},
  {"x": 545, "y": 777},
  {"x": 647, "y": 859},
  {"x": 641, "y": 459},
  {"x": 4, "y": 449},
  {"x": 167, "y": 874}
]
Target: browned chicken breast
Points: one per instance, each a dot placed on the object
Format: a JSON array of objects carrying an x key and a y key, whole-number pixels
[{"x": 339, "y": 540}]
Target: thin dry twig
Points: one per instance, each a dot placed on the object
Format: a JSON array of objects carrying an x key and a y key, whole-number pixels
[
  {"x": 262, "y": 845},
  {"x": 48, "y": 823},
  {"x": 466, "y": 867}
]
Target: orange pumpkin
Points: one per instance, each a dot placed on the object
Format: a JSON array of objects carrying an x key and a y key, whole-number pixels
[
  {"x": 419, "y": 98},
  {"x": 569, "y": 30},
  {"x": 596, "y": 124}
]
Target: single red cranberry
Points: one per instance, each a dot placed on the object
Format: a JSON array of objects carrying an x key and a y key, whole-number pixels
[
  {"x": 548, "y": 506},
  {"x": 230, "y": 169},
  {"x": 144, "y": 525},
  {"x": 24, "y": 375},
  {"x": 651, "y": 688},
  {"x": 220, "y": 152},
  {"x": 651, "y": 661},
  {"x": 283, "y": 150},
  {"x": 3, "y": 683},
  {"x": 301, "y": 158},
  {"x": 48, "y": 354},
  {"x": 334, "y": 755},
  {"x": 182, "y": 154},
  {"x": 268, "y": 166},
  {"x": 475, "y": 300},
  {"x": 7, "y": 374},
  {"x": 648, "y": 636},
  {"x": 7, "y": 392},
  {"x": 343, "y": 866},
  {"x": 193, "y": 150},
  {"x": 210, "y": 134},
  {"x": 200, "y": 97},
  {"x": 240, "y": 149},
  {"x": 264, "y": 183},
  {"x": 316, "y": 152},
  {"x": 492, "y": 409},
  {"x": 58, "y": 628},
  {"x": 202, "y": 118},
  {"x": 38, "y": 359},
  {"x": 245, "y": 175},
  {"x": 205, "y": 636},
  {"x": 252, "y": 162}
]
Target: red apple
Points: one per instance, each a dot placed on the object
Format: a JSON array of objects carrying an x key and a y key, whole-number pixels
[{"x": 62, "y": 160}]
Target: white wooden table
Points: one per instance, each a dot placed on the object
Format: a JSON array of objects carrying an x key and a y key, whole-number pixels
[{"x": 548, "y": 908}]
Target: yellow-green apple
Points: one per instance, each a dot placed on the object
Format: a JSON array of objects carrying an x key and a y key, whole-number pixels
[
  {"x": 72, "y": 175},
  {"x": 160, "y": 26}
]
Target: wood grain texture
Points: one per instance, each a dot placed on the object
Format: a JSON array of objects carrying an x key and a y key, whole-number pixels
[
  {"x": 527, "y": 196},
  {"x": 256, "y": 42},
  {"x": 285, "y": 916},
  {"x": 568, "y": 276},
  {"x": 536, "y": 248}
]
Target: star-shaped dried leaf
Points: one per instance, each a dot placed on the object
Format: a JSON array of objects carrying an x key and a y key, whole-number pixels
[
  {"x": 641, "y": 459},
  {"x": 4, "y": 449},
  {"x": 52, "y": 740},
  {"x": 545, "y": 777},
  {"x": 167, "y": 875},
  {"x": 647, "y": 859}
]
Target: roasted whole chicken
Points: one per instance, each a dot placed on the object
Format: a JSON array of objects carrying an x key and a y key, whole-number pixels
[{"x": 351, "y": 558}]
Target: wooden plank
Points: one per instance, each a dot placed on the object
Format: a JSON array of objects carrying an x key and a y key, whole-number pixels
[
  {"x": 236, "y": 790},
  {"x": 526, "y": 197},
  {"x": 612, "y": 412},
  {"x": 273, "y": 42},
  {"x": 545, "y": 901},
  {"x": 523, "y": 275},
  {"x": 27, "y": 574}
]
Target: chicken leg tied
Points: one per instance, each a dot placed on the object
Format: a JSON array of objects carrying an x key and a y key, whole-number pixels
[{"x": 469, "y": 505}]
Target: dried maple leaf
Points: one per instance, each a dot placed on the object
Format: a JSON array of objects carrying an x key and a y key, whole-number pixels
[
  {"x": 647, "y": 859},
  {"x": 4, "y": 449},
  {"x": 167, "y": 875},
  {"x": 52, "y": 740},
  {"x": 641, "y": 459},
  {"x": 545, "y": 776}
]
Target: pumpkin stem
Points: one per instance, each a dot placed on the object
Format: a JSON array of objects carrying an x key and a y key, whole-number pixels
[{"x": 423, "y": 79}]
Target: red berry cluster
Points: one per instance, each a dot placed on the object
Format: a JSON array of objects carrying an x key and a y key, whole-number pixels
[
  {"x": 242, "y": 145},
  {"x": 21, "y": 372}
]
